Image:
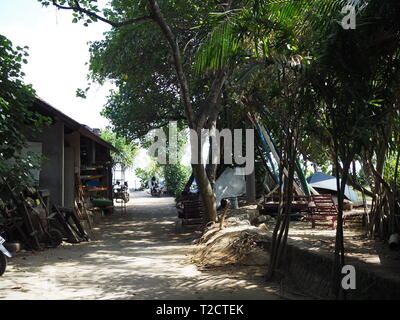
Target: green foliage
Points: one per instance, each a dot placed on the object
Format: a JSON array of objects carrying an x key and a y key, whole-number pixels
[
  {"x": 137, "y": 59},
  {"x": 147, "y": 96},
  {"x": 16, "y": 121},
  {"x": 176, "y": 177},
  {"x": 255, "y": 29},
  {"x": 144, "y": 177},
  {"x": 127, "y": 151},
  {"x": 145, "y": 174},
  {"x": 390, "y": 170},
  {"x": 289, "y": 61},
  {"x": 355, "y": 80},
  {"x": 78, "y": 16}
]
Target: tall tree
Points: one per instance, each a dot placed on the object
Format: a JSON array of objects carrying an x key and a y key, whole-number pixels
[{"x": 123, "y": 14}]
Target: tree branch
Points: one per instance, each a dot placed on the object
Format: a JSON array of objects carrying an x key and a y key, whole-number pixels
[
  {"x": 183, "y": 83},
  {"x": 115, "y": 24}
]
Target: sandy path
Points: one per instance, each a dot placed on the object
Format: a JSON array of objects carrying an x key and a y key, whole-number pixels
[{"x": 133, "y": 256}]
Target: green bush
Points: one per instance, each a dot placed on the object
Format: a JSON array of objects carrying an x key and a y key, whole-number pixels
[
  {"x": 144, "y": 177},
  {"x": 176, "y": 176}
]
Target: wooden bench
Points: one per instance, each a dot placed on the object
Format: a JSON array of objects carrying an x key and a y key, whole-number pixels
[
  {"x": 191, "y": 212},
  {"x": 324, "y": 209},
  {"x": 299, "y": 205},
  {"x": 359, "y": 217}
]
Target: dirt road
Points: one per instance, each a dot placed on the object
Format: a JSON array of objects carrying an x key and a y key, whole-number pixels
[{"x": 136, "y": 255}]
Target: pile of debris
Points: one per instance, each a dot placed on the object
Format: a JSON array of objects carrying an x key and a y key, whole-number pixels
[
  {"x": 27, "y": 222},
  {"x": 241, "y": 239}
]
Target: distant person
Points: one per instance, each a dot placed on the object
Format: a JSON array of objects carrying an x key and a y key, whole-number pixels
[
  {"x": 153, "y": 183},
  {"x": 116, "y": 185}
]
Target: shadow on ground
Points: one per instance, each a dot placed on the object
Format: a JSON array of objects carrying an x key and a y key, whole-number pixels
[{"x": 136, "y": 255}]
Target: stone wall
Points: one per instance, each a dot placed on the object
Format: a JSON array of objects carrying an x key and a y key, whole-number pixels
[{"x": 311, "y": 272}]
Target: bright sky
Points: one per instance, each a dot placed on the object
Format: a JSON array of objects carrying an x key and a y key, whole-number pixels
[{"x": 58, "y": 52}]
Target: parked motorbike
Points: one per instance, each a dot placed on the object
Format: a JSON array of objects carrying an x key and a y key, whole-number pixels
[
  {"x": 156, "y": 191},
  {"x": 121, "y": 192},
  {"x": 3, "y": 256}
]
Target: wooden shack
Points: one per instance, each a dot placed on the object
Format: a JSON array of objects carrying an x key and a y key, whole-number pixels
[{"x": 71, "y": 151}]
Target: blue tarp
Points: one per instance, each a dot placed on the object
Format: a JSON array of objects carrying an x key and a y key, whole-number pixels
[{"x": 324, "y": 181}]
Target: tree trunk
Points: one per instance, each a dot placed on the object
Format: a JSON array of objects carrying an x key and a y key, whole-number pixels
[
  {"x": 197, "y": 123},
  {"x": 339, "y": 241},
  {"x": 206, "y": 192},
  {"x": 281, "y": 231},
  {"x": 211, "y": 167},
  {"x": 189, "y": 182},
  {"x": 381, "y": 192}
]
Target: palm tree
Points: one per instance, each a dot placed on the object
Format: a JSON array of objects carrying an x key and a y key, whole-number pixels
[{"x": 276, "y": 36}]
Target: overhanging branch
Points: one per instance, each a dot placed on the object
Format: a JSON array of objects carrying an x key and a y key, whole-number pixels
[
  {"x": 92, "y": 14},
  {"x": 170, "y": 37}
]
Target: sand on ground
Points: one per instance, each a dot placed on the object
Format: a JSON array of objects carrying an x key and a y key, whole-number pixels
[{"x": 132, "y": 255}]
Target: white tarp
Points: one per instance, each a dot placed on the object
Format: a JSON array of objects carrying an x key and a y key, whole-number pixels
[{"x": 230, "y": 185}]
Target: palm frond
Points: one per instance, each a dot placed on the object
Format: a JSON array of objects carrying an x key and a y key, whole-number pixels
[
  {"x": 218, "y": 48},
  {"x": 250, "y": 26}
]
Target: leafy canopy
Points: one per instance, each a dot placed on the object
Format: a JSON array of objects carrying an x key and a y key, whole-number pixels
[{"x": 127, "y": 150}]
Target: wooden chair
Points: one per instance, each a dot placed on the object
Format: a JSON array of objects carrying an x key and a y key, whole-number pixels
[{"x": 324, "y": 210}]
